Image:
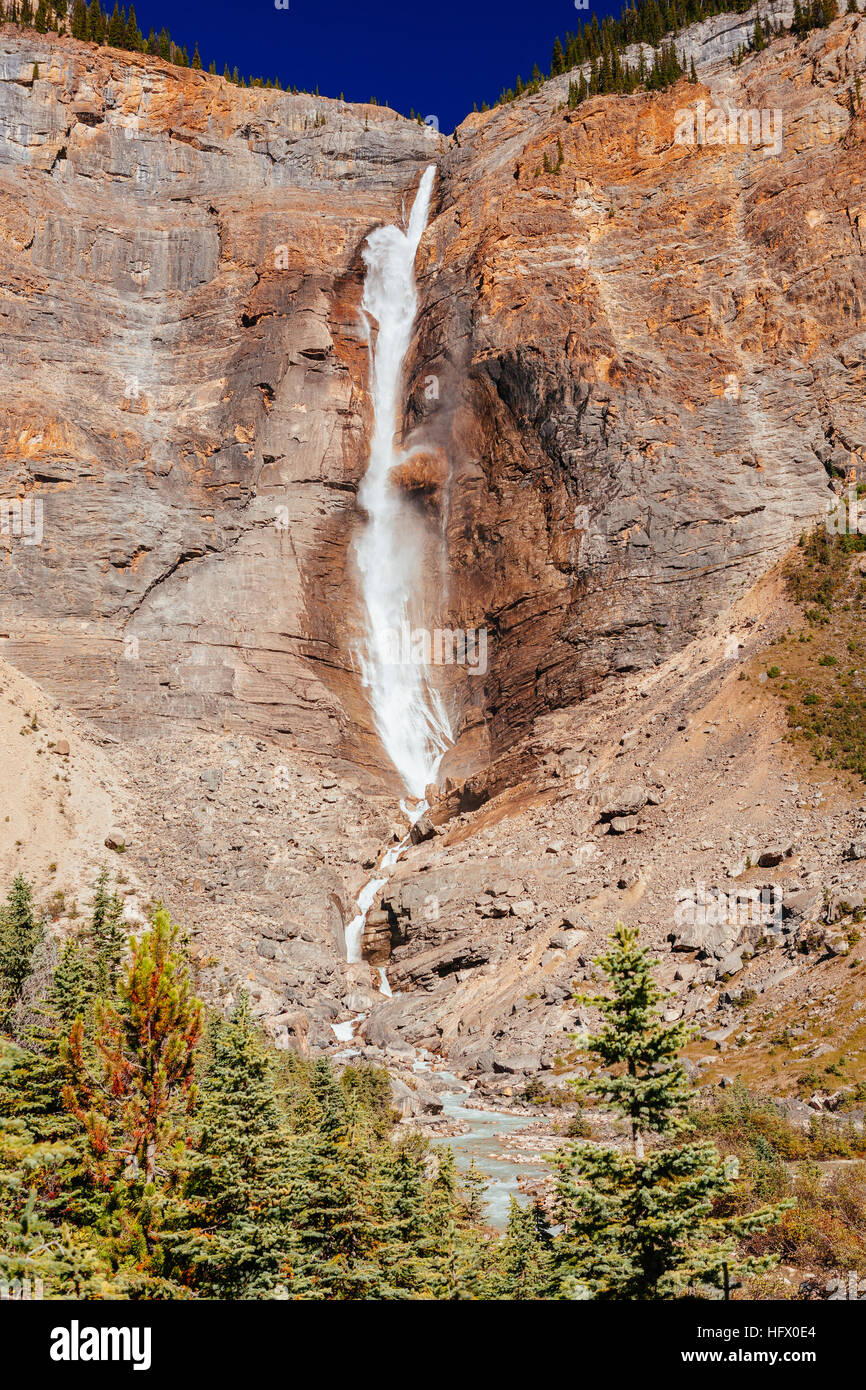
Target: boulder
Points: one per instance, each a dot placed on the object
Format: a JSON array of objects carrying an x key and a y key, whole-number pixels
[
  {"x": 775, "y": 854},
  {"x": 423, "y": 830},
  {"x": 567, "y": 940},
  {"x": 623, "y": 825},
  {"x": 61, "y": 748},
  {"x": 626, "y": 802},
  {"x": 856, "y": 850},
  {"x": 359, "y": 1002},
  {"x": 518, "y": 1065},
  {"x": 731, "y": 964},
  {"x": 837, "y": 944},
  {"x": 116, "y": 840},
  {"x": 804, "y": 905}
]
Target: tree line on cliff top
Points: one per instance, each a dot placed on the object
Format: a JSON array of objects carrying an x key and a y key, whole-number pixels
[
  {"x": 117, "y": 29},
  {"x": 151, "y": 1148},
  {"x": 601, "y": 45}
]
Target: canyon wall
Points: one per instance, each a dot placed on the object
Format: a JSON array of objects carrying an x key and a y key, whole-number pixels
[
  {"x": 637, "y": 363},
  {"x": 652, "y": 357}
]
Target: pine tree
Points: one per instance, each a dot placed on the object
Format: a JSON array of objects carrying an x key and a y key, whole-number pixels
[
  {"x": 640, "y": 1225},
  {"x": 240, "y": 1242},
  {"x": 759, "y": 42},
  {"x": 95, "y": 22},
  {"x": 405, "y": 1253},
  {"x": 526, "y": 1269},
  {"x": 196, "y": 60},
  {"x": 116, "y": 28},
  {"x": 132, "y": 36},
  {"x": 80, "y": 22},
  {"x": 344, "y": 1221},
  {"x": 105, "y": 937},
  {"x": 22, "y": 929},
  {"x": 145, "y": 1042},
  {"x": 558, "y": 59}
]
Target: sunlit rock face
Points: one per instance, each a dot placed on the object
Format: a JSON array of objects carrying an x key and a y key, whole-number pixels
[
  {"x": 629, "y": 381},
  {"x": 184, "y": 386},
  {"x": 647, "y": 364}
]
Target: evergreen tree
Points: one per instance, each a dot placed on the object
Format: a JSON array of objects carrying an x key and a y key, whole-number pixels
[
  {"x": 196, "y": 59},
  {"x": 22, "y": 929},
  {"x": 132, "y": 36},
  {"x": 145, "y": 1042},
  {"x": 240, "y": 1243},
  {"x": 116, "y": 28},
  {"x": 80, "y": 21},
  {"x": 641, "y": 1225},
  {"x": 105, "y": 938},
  {"x": 343, "y": 1212},
  {"x": 525, "y": 1257},
  {"x": 95, "y": 22},
  {"x": 558, "y": 60}
]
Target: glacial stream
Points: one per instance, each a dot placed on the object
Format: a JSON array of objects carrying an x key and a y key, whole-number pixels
[{"x": 483, "y": 1143}]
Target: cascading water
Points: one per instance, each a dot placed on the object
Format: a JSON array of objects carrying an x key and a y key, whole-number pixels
[
  {"x": 410, "y": 717},
  {"x": 408, "y": 712}
]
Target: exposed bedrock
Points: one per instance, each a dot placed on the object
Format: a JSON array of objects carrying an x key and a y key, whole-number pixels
[{"x": 631, "y": 381}]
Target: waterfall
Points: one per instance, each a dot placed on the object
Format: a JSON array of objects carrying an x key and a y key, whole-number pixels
[{"x": 408, "y": 711}]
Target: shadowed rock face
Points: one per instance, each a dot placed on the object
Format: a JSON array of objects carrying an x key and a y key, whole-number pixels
[
  {"x": 649, "y": 361},
  {"x": 629, "y": 382}
]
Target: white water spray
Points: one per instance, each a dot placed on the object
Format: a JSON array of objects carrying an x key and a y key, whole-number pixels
[
  {"x": 410, "y": 717},
  {"x": 408, "y": 711}
]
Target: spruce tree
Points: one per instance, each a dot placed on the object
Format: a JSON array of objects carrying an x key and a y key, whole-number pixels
[
  {"x": 239, "y": 1243},
  {"x": 80, "y": 22},
  {"x": 132, "y": 36},
  {"x": 22, "y": 931},
  {"x": 116, "y": 28},
  {"x": 344, "y": 1223},
  {"x": 640, "y": 1224},
  {"x": 526, "y": 1269},
  {"x": 105, "y": 937}
]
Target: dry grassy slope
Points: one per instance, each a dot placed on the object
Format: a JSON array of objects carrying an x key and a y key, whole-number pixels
[{"x": 57, "y": 808}]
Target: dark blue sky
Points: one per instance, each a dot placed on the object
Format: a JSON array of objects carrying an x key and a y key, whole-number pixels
[{"x": 438, "y": 56}]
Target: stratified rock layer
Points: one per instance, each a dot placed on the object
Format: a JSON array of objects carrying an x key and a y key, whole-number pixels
[
  {"x": 631, "y": 379},
  {"x": 650, "y": 359}
]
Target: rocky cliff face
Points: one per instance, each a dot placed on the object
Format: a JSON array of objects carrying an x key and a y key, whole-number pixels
[
  {"x": 650, "y": 358},
  {"x": 184, "y": 384},
  {"x": 630, "y": 376},
  {"x": 638, "y": 363}
]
